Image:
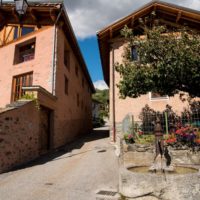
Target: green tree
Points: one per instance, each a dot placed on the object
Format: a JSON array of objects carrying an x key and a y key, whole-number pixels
[
  {"x": 102, "y": 96},
  {"x": 169, "y": 62}
]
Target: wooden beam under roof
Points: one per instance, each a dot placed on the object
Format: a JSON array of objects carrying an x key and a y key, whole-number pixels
[
  {"x": 176, "y": 25},
  {"x": 132, "y": 21},
  {"x": 33, "y": 15},
  {"x": 1, "y": 17},
  {"x": 111, "y": 33},
  {"x": 16, "y": 16},
  {"x": 2, "y": 21},
  {"x": 178, "y": 16},
  {"x": 53, "y": 15}
]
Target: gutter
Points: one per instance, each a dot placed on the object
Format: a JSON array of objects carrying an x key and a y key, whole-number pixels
[
  {"x": 54, "y": 56},
  {"x": 113, "y": 91}
]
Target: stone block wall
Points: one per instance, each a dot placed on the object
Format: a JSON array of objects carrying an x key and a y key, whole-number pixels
[{"x": 19, "y": 135}]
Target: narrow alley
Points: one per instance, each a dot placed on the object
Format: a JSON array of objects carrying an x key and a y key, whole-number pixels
[{"x": 75, "y": 173}]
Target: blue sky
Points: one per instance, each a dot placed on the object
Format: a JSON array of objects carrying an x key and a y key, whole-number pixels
[
  {"x": 89, "y": 16},
  {"x": 90, "y": 51}
]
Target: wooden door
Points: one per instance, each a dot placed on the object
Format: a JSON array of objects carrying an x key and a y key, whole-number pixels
[{"x": 45, "y": 136}]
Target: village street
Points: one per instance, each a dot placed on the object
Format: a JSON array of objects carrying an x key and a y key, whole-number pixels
[{"x": 77, "y": 173}]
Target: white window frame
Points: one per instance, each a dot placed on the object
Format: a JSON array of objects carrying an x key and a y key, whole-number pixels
[{"x": 158, "y": 98}]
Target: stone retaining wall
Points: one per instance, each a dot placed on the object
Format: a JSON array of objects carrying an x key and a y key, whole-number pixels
[{"x": 19, "y": 135}]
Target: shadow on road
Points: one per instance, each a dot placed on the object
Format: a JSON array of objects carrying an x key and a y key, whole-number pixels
[{"x": 57, "y": 154}]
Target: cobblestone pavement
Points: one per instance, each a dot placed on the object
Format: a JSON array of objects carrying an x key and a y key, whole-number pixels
[{"x": 75, "y": 173}]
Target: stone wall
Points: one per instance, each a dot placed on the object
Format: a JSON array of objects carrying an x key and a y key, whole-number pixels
[{"x": 19, "y": 135}]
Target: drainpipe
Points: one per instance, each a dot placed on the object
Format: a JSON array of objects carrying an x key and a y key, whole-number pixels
[
  {"x": 113, "y": 92},
  {"x": 54, "y": 56}
]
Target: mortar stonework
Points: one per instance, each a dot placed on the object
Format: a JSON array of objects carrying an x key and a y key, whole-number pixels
[{"x": 19, "y": 136}]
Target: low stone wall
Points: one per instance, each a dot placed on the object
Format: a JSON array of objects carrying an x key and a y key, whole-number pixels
[
  {"x": 185, "y": 157},
  {"x": 179, "y": 187},
  {"x": 19, "y": 135}
]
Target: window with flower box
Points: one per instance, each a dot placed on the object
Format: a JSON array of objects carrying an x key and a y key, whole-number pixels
[{"x": 25, "y": 51}]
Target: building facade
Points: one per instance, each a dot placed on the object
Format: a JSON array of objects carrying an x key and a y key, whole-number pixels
[
  {"x": 40, "y": 59},
  {"x": 111, "y": 46}
]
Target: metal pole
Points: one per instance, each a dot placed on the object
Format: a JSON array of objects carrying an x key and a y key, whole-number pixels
[
  {"x": 1, "y": 2},
  {"x": 113, "y": 88},
  {"x": 166, "y": 123}
]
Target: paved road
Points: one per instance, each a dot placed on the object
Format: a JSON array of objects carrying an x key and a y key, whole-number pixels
[{"x": 74, "y": 174}]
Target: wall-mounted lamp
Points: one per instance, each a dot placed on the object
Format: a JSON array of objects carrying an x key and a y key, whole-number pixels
[{"x": 21, "y": 6}]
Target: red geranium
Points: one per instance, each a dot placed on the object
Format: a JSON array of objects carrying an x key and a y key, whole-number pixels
[
  {"x": 197, "y": 141},
  {"x": 170, "y": 141},
  {"x": 140, "y": 133}
]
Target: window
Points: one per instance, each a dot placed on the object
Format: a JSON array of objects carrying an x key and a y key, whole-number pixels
[
  {"x": 12, "y": 32},
  {"x": 83, "y": 82},
  {"x": 76, "y": 70},
  {"x": 26, "y": 30},
  {"x": 67, "y": 58},
  {"x": 157, "y": 96},
  {"x": 134, "y": 53},
  {"x": 19, "y": 82},
  {"x": 24, "y": 51},
  {"x": 16, "y": 32},
  {"x": 66, "y": 85},
  {"x": 78, "y": 101}
]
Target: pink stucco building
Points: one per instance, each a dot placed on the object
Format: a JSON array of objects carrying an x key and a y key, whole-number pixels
[
  {"x": 40, "y": 58},
  {"x": 111, "y": 46}
]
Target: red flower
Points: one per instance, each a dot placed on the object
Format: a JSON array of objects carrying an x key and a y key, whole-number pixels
[
  {"x": 170, "y": 141},
  {"x": 197, "y": 141},
  {"x": 140, "y": 133},
  {"x": 130, "y": 136}
]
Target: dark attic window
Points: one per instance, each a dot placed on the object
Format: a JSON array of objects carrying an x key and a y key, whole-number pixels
[
  {"x": 134, "y": 53},
  {"x": 67, "y": 58},
  {"x": 26, "y": 30},
  {"x": 66, "y": 85}
]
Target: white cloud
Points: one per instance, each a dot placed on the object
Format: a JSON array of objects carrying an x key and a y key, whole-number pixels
[
  {"x": 89, "y": 16},
  {"x": 195, "y": 4},
  {"x": 100, "y": 84}
]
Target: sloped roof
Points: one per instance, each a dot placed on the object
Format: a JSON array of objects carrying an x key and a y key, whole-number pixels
[
  {"x": 167, "y": 13},
  {"x": 43, "y": 13}
]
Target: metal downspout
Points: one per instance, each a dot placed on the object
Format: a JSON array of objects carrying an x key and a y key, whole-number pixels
[
  {"x": 113, "y": 88},
  {"x": 54, "y": 56}
]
